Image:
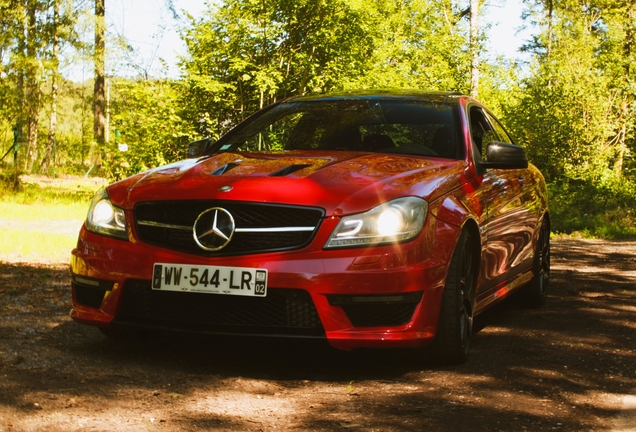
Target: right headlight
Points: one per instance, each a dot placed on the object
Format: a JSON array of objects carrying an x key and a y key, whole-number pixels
[
  {"x": 105, "y": 218},
  {"x": 395, "y": 221}
]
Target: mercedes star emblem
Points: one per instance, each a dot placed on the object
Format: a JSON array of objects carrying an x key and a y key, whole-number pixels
[{"x": 213, "y": 229}]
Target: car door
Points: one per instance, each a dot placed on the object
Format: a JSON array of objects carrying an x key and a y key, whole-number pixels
[{"x": 509, "y": 224}]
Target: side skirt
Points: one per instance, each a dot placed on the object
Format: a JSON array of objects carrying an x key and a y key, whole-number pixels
[{"x": 491, "y": 296}]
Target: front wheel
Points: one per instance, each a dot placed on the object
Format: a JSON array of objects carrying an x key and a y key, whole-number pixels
[{"x": 455, "y": 326}]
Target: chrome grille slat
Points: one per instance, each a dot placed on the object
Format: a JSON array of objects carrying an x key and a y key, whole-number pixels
[
  {"x": 273, "y": 230},
  {"x": 259, "y": 227},
  {"x": 161, "y": 225},
  {"x": 252, "y": 230}
]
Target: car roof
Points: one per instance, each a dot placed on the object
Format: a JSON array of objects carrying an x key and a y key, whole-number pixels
[{"x": 370, "y": 95}]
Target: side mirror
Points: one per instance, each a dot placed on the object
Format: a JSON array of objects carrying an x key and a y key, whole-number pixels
[
  {"x": 505, "y": 156},
  {"x": 197, "y": 148}
]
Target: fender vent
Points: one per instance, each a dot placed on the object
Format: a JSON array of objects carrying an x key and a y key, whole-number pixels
[
  {"x": 225, "y": 168},
  {"x": 288, "y": 170}
]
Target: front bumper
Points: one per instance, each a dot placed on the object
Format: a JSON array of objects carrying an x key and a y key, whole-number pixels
[{"x": 373, "y": 297}]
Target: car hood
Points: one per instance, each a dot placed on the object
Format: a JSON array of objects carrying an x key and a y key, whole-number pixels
[{"x": 341, "y": 183}]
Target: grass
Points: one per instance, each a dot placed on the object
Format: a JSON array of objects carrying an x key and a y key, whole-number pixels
[
  {"x": 40, "y": 222},
  {"x": 43, "y": 211},
  {"x": 44, "y": 190},
  {"x": 18, "y": 245}
]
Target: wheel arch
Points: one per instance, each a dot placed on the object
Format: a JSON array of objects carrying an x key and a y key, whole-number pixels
[
  {"x": 545, "y": 218},
  {"x": 470, "y": 225}
]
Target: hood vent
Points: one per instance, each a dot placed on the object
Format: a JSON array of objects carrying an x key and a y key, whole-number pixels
[
  {"x": 288, "y": 170},
  {"x": 225, "y": 168}
]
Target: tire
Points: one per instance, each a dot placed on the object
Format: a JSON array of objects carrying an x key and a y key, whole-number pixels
[
  {"x": 455, "y": 326},
  {"x": 537, "y": 291}
]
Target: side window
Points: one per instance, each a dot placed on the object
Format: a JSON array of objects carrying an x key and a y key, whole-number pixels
[
  {"x": 501, "y": 132},
  {"x": 481, "y": 130}
]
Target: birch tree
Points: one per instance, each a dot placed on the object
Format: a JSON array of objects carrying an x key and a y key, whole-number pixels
[{"x": 99, "y": 91}]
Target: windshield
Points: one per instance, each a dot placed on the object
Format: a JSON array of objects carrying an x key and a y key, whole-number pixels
[{"x": 404, "y": 127}]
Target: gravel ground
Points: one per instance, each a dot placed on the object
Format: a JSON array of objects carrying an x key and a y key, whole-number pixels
[{"x": 568, "y": 366}]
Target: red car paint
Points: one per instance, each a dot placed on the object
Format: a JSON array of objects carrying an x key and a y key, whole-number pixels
[{"x": 503, "y": 208}]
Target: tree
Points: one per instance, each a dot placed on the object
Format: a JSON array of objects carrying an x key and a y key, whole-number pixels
[
  {"x": 584, "y": 86},
  {"x": 33, "y": 32},
  {"x": 10, "y": 25},
  {"x": 55, "y": 65},
  {"x": 245, "y": 54},
  {"x": 99, "y": 93},
  {"x": 146, "y": 117},
  {"x": 474, "y": 48},
  {"x": 577, "y": 110},
  {"x": 23, "y": 41},
  {"x": 32, "y": 94},
  {"x": 416, "y": 44}
]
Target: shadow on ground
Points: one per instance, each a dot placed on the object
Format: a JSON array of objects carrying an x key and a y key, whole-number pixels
[{"x": 565, "y": 366}]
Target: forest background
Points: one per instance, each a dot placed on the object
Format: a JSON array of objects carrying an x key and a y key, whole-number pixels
[{"x": 572, "y": 105}]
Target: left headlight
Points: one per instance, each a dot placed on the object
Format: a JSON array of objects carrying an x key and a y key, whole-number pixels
[
  {"x": 104, "y": 218},
  {"x": 395, "y": 221}
]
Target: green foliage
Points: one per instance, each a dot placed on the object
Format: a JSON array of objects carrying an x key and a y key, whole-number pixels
[
  {"x": 74, "y": 131},
  {"x": 576, "y": 113},
  {"x": 605, "y": 209},
  {"x": 31, "y": 33},
  {"x": 245, "y": 54},
  {"x": 418, "y": 44},
  {"x": 145, "y": 117},
  {"x": 573, "y": 107}
]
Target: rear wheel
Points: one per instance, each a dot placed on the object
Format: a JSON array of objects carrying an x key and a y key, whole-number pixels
[
  {"x": 455, "y": 327},
  {"x": 537, "y": 290}
]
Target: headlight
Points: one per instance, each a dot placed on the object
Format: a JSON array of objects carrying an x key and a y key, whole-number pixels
[
  {"x": 395, "y": 221},
  {"x": 104, "y": 218}
]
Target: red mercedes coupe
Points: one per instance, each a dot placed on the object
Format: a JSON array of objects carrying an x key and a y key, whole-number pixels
[{"x": 386, "y": 219}]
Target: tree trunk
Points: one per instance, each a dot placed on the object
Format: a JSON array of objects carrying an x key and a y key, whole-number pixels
[
  {"x": 474, "y": 48},
  {"x": 48, "y": 154},
  {"x": 22, "y": 98},
  {"x": 99, "y": 92},
  {"x": 550, "y": 19},
  {"x": 630, "y": 36},
  {"x": 32, "y": 88}
]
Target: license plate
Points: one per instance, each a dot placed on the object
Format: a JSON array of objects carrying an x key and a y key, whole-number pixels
[{"x": 210, "y": 279}]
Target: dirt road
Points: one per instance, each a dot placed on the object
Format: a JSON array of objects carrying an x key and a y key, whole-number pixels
[{"x": 569, "y": 366}]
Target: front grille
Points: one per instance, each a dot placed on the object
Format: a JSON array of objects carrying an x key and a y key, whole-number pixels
[
  {"x": 281, "y": 312},
  {"x": 379, "y": 315},
  {"x": 169, "y": 224}
]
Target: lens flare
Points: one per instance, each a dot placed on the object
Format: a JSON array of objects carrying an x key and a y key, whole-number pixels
[
  {"x": 103, "y": 212},
  {"x": 390, "y": 221}
]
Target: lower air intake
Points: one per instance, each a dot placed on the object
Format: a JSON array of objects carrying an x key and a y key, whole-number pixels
[{"x": 282, "y": 312}]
